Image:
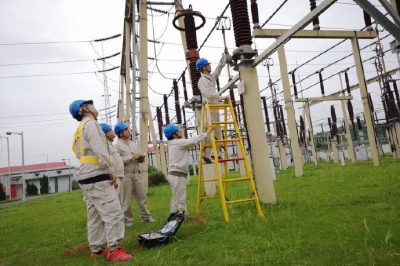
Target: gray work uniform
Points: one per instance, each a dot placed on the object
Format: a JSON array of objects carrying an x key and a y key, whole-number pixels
[
  {"x": 104, "y": 213},
  {"x": 208, "y": 88},
  {"x": 132, "y": 184},
  {"x": 118, "y": 165},
  {"x": 178, "y": 168}
]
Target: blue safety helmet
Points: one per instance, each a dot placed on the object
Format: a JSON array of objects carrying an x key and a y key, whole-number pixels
[
  {"x": 75, "y": 106},
  {"x": 170, "y": 130},
  {"x": 119, "y": 127},
  {"x": 105, "y": 127},
  {"x": 202, "y": 62}
]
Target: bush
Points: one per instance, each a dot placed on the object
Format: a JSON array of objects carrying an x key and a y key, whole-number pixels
[
  {"x": 156, "y": 177},
  {"x": 44, "y": 185},
  {"x": 2, "y": 193},
  {"x": 31, "y": 190},
  {"x": 75, "y": 185}
]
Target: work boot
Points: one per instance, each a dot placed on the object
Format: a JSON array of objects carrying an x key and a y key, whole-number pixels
[
  {"x": 118, "y": 254},
  {"x": 103, "y": 250}
]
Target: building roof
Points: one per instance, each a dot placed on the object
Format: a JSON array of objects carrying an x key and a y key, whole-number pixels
[{"x": 33, "y": 167}]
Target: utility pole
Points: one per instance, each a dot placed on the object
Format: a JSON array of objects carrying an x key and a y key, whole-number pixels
[{"x": 143, "y": 88}]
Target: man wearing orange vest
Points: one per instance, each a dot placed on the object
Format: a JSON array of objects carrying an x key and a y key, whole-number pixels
[{"x": 97, "y": 177}]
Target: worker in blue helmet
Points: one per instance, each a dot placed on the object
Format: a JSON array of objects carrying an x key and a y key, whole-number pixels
[
  {"x": 178, "y": 164},
  {"x": 96, "y": 178},
  {"x": 118, "y": 162},
  {"x": 132, "y": 184},
  {"x": 208, "y": 87}
]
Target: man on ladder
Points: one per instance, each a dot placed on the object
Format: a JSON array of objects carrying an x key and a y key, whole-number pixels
[{"x": 208, "y": 88}]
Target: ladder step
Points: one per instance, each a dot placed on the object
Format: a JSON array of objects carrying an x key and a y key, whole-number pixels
[
  {"x": 230, "y": 159},
  {"x": 226, "y": 140},
  {"x": 222, "y": 105},
  {"x": 223, "y": 123},
  {"x": 235, "y": 179},
  {"x": 209, "y": 197},
  {"x": 240, "y": 200},
  {"x": 209, "y": 180}
]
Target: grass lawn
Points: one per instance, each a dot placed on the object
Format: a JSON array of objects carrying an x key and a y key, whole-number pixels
[{"x": 333, "y": 215}]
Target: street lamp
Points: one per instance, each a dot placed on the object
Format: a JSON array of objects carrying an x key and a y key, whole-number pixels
[
  {"x": 9, "y": 169},
  {"x": 69, "y": 177},
  {"x": 23, "y": 160}
]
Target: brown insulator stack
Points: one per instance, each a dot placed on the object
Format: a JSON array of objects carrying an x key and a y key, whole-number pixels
[
  {"x": 282, "y": 120},
  {"x": 294, "y": 84},
  {"x": 302, "y": 137},
  {"x": 254, "y": 14},
  {"x": 184, "y": 121},
  {"x": 191, "y": 40},
  {"x": 334, "y": 123},
  {"x": 396, "y": 92},
  {"x": 166, "y": 109},
  {"x": 264, "y": 102},
  {"x": 159, "y": 122},
  {"x": 177, "y": 105},
  {"x": 346, "y": 79},
  {"x": 315, "y": 21},
  {"x": 367, "y": 21},
  {"x": 241, "y": 22},
  {"x": 351, "y": 116},
  {"x": 185, "y": 95},
  {"x": 321, "y": 83}
]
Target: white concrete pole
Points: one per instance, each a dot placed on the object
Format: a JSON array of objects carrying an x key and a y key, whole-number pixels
[
  {"x": 154, "y": 142},
  {"x": 296, "y": 153},
  {"x": 143, "y": 87},
  {"x": 264, "y": 172},
  {"x": 364, "y": 97}
]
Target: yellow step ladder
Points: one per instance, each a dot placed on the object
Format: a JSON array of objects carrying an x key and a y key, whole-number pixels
[{"x": 221, "y": 177}]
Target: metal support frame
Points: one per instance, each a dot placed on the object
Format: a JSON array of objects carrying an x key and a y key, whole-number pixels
[
  {"x": 364, "y": 97},
  {"x": 324, "y": 98},
  {"x": 391, "y": 27},
  {"x": 312, "y": 34},
  {"x": 291, "y": 118}
]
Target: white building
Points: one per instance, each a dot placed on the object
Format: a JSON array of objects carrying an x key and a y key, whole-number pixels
[{"x": 60, "y": 176}]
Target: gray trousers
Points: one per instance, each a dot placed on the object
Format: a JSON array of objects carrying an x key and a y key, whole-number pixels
[
  {"x": 178, "y": 188},
  {"x": 217, "y": 131},
  {"x": 133, "y": 185},
  {"x": 104, "y": 215}
]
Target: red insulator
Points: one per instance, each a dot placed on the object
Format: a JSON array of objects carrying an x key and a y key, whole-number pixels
[
  {"x": 241, "y": 22},
  {"x": 166, "y": 109},
  {"x": 191, "y": 37},
  {"x": 177, "y": 105}
]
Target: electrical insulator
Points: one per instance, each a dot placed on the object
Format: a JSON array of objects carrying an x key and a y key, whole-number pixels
[
  {"x": 321, "y": 83},
  {"x": 244, "y": 121},
  {"x": 333, "y": 114},
  {"x": 371, "y": 104},
  {"x": 177, "y": 104},
  {"x": 346, "y": 79},
  {"x": 184, "y": 121},
  {"x": 184, "y": 87},
  {"x": 359, "y": 125},
  {"x": 241, "y": 22},
  {"x": 254, "y": 14},
  {"x": 160, "y": 122},
  {"x": 330, "y": 127},
  {"x": 166, "y": 109},
  {"x": 367, "y": 20},
  {"x": 264, "y": 101},
  {"x": 294, "y": 84},
  {"x": 233, "y": 101},
  {"x": 315, "y": 21},
  {"x": 283, "y": 120}
]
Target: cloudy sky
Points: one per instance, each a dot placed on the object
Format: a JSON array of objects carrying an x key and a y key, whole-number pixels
[{"x": 48, "y": 59}]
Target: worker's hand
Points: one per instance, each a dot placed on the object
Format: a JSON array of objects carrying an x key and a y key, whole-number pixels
[
  {"x": 135, "y": 156},
  {"x": 113, "y": 181}
]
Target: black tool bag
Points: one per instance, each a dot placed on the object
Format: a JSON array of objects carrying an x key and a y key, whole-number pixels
[{"x": 162, "y": 236}]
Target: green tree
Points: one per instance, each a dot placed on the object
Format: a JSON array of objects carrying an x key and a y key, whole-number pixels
[
  {"x": 31, "y": 190},
  {"x": 2, "y": 193},
  {"x": 44, "y": 185}
]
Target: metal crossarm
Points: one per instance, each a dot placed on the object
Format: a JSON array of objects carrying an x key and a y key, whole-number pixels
[{"x": 219, "y": 165}]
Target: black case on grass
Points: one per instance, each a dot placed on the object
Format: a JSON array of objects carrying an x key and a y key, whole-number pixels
[{"x": 162, "y": 236}]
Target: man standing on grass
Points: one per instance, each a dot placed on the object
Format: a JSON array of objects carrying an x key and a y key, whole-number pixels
[
  {"x": 97, "y": 177},
  {"x": 132, "y": 184}
]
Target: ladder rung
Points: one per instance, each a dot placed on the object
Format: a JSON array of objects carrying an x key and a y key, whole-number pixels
[
  {"x": 235, "y": 179},
  {"x": 223, "y": 123},
  {"x": 209, "y": 180},
  {"x": 226, "y": 140},
  {"x": 230, "y": 159},
  {"x": 240, "y": 200},
  {"x": 209, "y": 197},
  {"x": 218, "y": 105}
]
